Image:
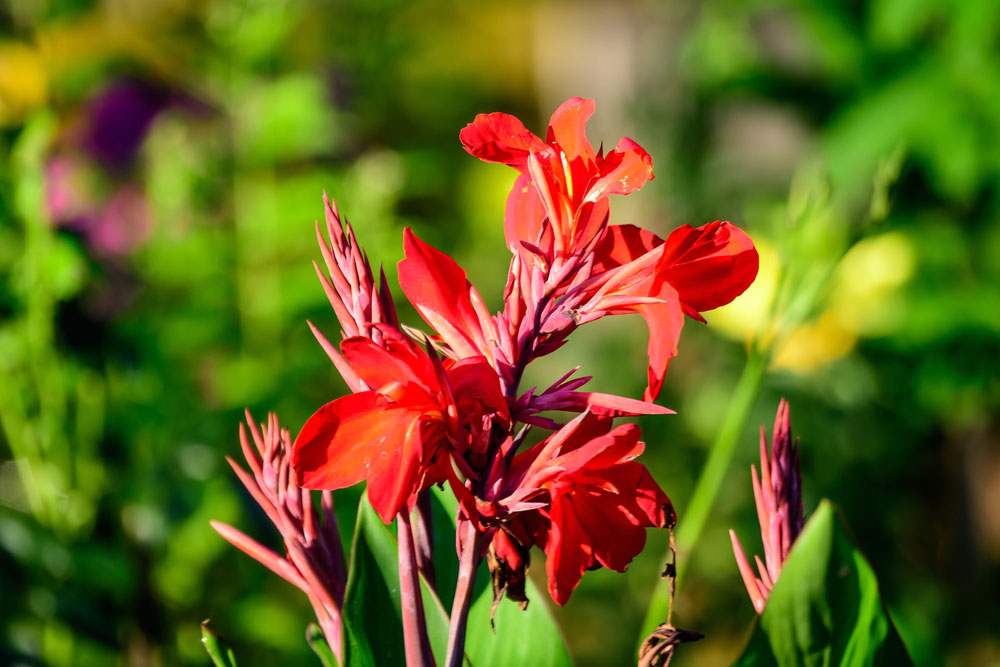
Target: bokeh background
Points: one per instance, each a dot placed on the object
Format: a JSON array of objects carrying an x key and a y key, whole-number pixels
[{"x": 161, "y": 166}]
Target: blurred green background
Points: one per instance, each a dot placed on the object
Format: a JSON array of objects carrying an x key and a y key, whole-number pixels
[{"x": 161, "y": 165}]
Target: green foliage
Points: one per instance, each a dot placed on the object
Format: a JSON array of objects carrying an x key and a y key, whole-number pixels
[
  {"x": 373, "y": 634},
  {"x": 317, "y": 642},
  {"x": 514, "y": 637},
  {"x": 373, "y": 631},
  {"x": 220, "y": 652},
  {"x": 825, "y": 608},
  {"x": 122, "y": 376},
  {"x": 529, "y": 637}
]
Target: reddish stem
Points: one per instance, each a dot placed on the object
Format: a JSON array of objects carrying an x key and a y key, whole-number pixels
[
  {"x": 471, "y": 540},
  {"x": 415, "y": 640},
  {"x": 423, "y": 538}
]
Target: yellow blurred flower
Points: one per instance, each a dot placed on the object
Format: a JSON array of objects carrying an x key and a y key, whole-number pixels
[
  {"x": 24, "y": 82},
  {"x": 863, "y": 302}
]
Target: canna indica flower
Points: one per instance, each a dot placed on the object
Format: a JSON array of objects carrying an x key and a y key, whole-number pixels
[
  {"x": 399, "y": 435},
  {"x": 563, "y": 179},
  {"x": 581, "y": 496},
  {"x": 557, "y": 227}
]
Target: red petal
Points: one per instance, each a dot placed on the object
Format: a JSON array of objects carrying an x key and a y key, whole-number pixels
[
  {"x": 612, "y": 405},
  {"x": 568, "y": 129},
  {"x": 394, "y": 480},
  {"x": 474, "y": 379},
  {"x": 623, "y": 170},
  {"x": 439, "y": 290},
  {"x": 567, "y": 551},
  {"x": 399, "y": 360},
  {"x": 664, "y": 321},
  {"x": 708, "y": 266},
  {"x": 500, "y": 137},
  {"x": 652, "y": 501},
  {"x": 523, "y": 216},
  {"x": 349, "y": 438},
  {"x": 620, "y": 244},
  {"x": 614, "y": 535}
]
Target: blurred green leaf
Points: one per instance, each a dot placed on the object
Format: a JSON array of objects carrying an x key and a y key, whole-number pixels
[
  {"x": 285, "y": 119},
  {"x": 218, "y": 650},
  {"x": 825, "y": 608}
]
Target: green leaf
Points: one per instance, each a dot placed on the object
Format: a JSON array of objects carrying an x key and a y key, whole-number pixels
[
  {"x": 529, "y": 637},
  {"x": 218, "y": 650},
  {"x": 825, "y": 608},
  {"x": 317, "y": 642},
  {"x": 373, "y": 633}
]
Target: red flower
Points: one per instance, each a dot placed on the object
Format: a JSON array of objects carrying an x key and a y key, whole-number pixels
[
  {"x": 399, "y": 434},
  {"x": 562, "y": 178},
  {"x": 694, "y": 270},
  {"x": 595, "y": 500},
  {"x": 556, "y": 221}
]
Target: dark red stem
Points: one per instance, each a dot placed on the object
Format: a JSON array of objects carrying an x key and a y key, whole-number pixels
[
  {"x": 423, "y": 537},
  {"x": 415, "y": 640},
  {"x": 471, "y": 540}
]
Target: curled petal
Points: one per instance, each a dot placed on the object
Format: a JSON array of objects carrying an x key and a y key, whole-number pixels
[
  {"x": 628, "y": 167},
  {"x": 709, "y": 266},
  {"x": 500, "y": 137}
]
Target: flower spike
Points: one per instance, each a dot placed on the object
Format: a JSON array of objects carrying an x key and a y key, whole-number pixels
[{"x": 778, "y": 496}]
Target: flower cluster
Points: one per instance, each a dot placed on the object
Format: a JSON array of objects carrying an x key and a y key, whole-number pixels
[{"x": 448, "y": 406}]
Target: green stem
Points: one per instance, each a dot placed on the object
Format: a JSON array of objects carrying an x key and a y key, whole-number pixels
[{"x": 692, "y": 521}]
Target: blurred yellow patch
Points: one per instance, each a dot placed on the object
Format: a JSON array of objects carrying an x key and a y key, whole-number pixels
[
  {"x": 24, "y": 84},
  {"x": 863, "y": 302},
  {"x": 749, "y": 313}
]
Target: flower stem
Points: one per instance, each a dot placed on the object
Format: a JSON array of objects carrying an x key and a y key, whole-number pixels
[
  {"x": 415, "y": 640},
  {"x": 423, "y": 538},
  {"x": 469, "y": 563},
  {"x": 692, "y": 522}
]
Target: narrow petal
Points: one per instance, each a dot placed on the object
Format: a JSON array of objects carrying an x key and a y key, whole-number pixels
[
  {"x": 664, "y": 321},
  {"x": 500, "y": 137},
  {"x": 439, "y": 290},
  {"x": 523, "y": 216},
  {"x": 568, "y": 129},
  {"x": 612, "y": 405}
]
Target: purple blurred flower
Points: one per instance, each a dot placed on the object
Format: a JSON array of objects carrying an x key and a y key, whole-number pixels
[
  {"x": 118, "y": 120},
  {"x": 88, "y": 181},
  {"x": 778, "y": 495}
]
